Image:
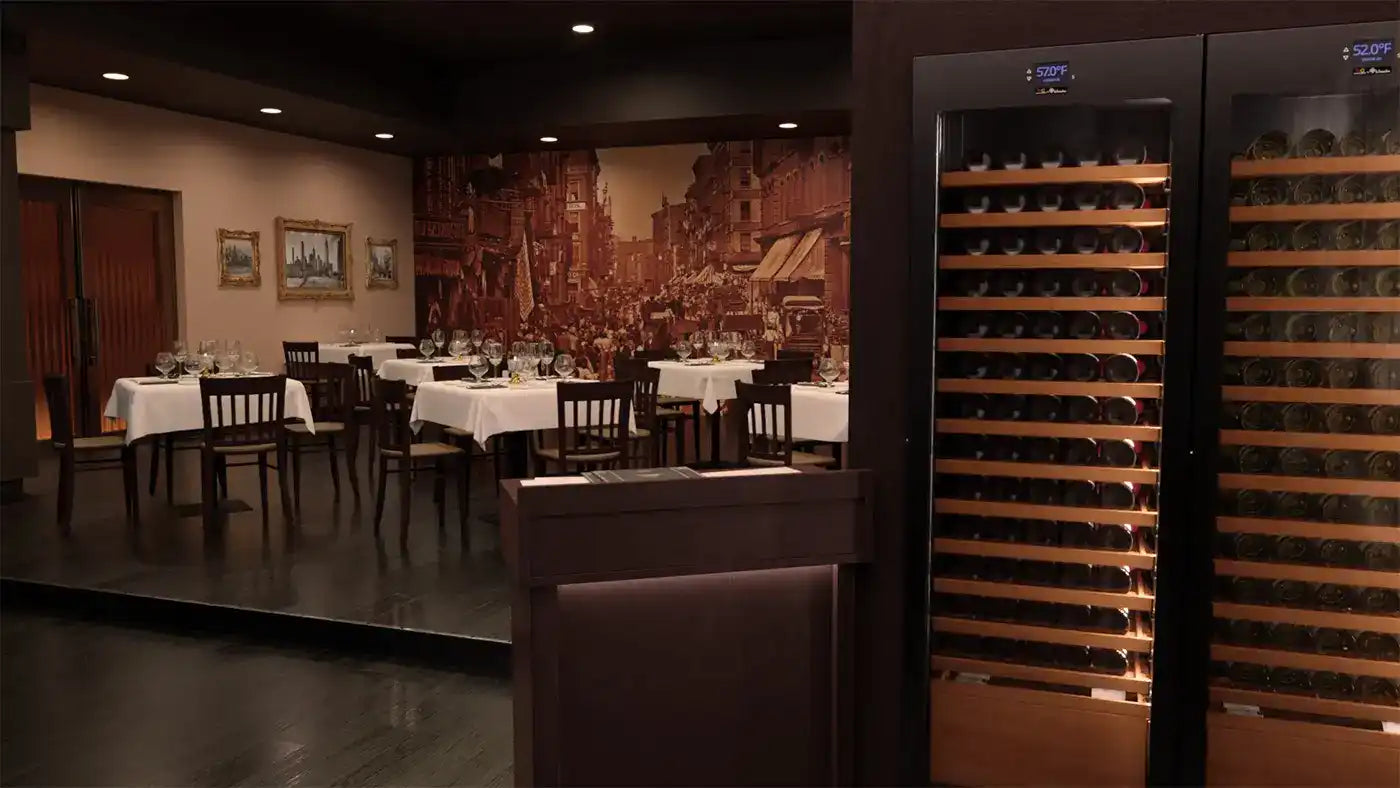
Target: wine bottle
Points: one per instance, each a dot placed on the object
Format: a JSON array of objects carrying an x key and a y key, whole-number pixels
[
  {"x": 1288, "y": 593},
  {"x": 1338, "y": 552},
  {"x": 1293, "y": 549},
  {"x": 1126, "y": 240},
  {"x": 1268, "y": 191},
  {"x": 1008, "y": 366},
  {"x": 1292, "y": 506},
  {"x": 1110, "y": 619},
  {"x": 1252, "y": 459},
  {"x": 1038, "y": 532},
  {"x": 1295, "y": 461},
  {"x": 1335, "y": 642},
  {"x": 1011, "y": 242},
  {"x": 1008, "y": 325},
  {"x": 1049, "y": 283},
  {"x": 1383, "y": 466},
  {"x": 1266, "y": 238},
  {"x": 1087, "y": 197},
  {"x": 1344, "y": 418},
  {"x": 1303, "y": 283},
  {"x": 1310, "y": 237},
  {"x": 1126, "y": 196},
  {"x": 1311, "y": 190},
  {"x": 1123, "y": 325},
  {"x": 1079, "y": 451},
  {"x": 1379, "y": 646},
  {"x": 1378, "y": 691},
  {"x": 1048, "y": 241},
  {"x": 1118, "y": 495},
  {"x": 1009, "y": 407},
  {"x": 1123, "y": 411},
  {"x": 1269, "y": 145},
  {"x": 1384, "y": 420},
  {"x": 1379, "y": 600},
  {"x": 1354, "y": 189},
  {"x": 1383, "y": 374},
  {"x": 1080, "y": 367},
  {"x": 976, "y": 243},
  {"x": 1080, "y": 493},
  {"x": 976, "y": 200},
  {"x": 1007, "y": 284},
  {"x": 1052, "y": 156},
  {"x": 1011, "y": 200},
  {"x": 1013, "y": 160},
  {"x": 1043, "y": 407},
  {"x": 1042, "y": 450},
  {"x": 974, "y": 365},
  {"x": 1114, "y": 537},
  {"x": 1382, "y": 327},
  {"x": 1109, "y": 661},
  {"x": 1042, "y": 366},
  {"x": 1250, "y": 547},
  {"x": 1246, "y": 633},
  {"x": 1331, "y": 596},
  {"x": 1249, "y": 675},
  {"x": 1388, "y": 236},
  {"x": 973, "y": 324},
  {"x": 977, "y": 161},
  {"x": 1250, "y": 590},
  {"x": 1043, "y": 492},
  {"x": 1076, "y": 534},
  {"x": 1379, "y": 511},
  {"x": 1339, "y": 464},
  {"x": 1085, "y": 240},
  {"x": 1328, "y": 684},
  {"x": 1345, "y": 282},
  {"x": 1083, "y": 325},
  {"x": 1260, "y": 282},
  {"x": 1119, "y": 453},
  {"x": 1349, "y": 236},
  {"x": 1380, "y": 556},
  {"x": 1050, "y": 198},
  {"x": 1047, "y": 325},
  {"x": 1258, "y": 372},
  {"x": 1130, "y": 151},
  {"x": 1260, "y": 416},
  {"x": 1289, "y": 680},
  {"x": 1126, "y": 283},
  {"x": 1123, "y": 368},
  {"x": 1390, "y": 188},
  {"x": 1340, "y": 373},
  {"x": 1298, "y": 327},
  {"x": 1340, "y": 509},
  {"x": 1316, "y": 142},
  {"x": 1073, "y": 657},
  {"x": 1291, "y": 637}
]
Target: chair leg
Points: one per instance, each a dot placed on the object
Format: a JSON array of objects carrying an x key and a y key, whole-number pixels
[
  {"x": 262, "y": 484},
  {"x": 155, "y": 465},
  {"x": 294, "y": 446},
  {"x": 283, "y": 484},
  {"x": 65, "y": 490},
  {"x": 131, "y": 486},
  {"x": 335, "y": 463},
  {"x": 464, "y": 483},
  {"x": 379, "y": 496},
  {"x": 405, "y": 498},
  {"x": 208, "y": 488},
  {"x": 680, "y": 440},
  {"x": 169, "y": 469},
  {"x": 352, "y": 453},
  {"x": 496, "y": 457},
  {"x": 466, "y": 477},
  {"x": 836, "y": 452},
  {"x": 221, "y": 466},
  {"x": 695, "y": 429},
  {"x": 440, "y": 491}
]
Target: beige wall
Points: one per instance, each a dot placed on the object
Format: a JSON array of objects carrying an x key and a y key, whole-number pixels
[{"x": 238, "y": 178}]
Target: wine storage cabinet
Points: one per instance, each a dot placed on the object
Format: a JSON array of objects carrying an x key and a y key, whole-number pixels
[
  {"x": 1300, "y": 432},
  {"x": 1055, "y": 248}
]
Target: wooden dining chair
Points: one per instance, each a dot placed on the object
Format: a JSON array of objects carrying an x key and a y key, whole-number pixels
[
  {"x": 399, "y": 454},
  {"x": 402, "y": 340},
  {"x": 788, "y": 370},
  {"x": 653, "y": 421},
  {"x": 81, "y": 455},
  {"x": 463, "y": 438},
  {"x": 404, "y": 352},
  {"x": 243, "y": 417},
  {"x": 332, "y": 409},
  {"x": 297, "y": 355},
  {"x": 765, "y": 427},
  {"x": 168, "y": 443},
  {"x": 593, "y": 427},
  {"x": 808, "y": 355},
  {"x": 684, "y": 408}
]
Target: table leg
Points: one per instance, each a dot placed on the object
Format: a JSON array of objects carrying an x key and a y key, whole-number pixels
[
  {"x": 517, "y": 454},
  {"x": 714, "y": 433}
]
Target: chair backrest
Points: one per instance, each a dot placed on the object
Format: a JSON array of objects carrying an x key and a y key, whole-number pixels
[
  {"x": 743, "y": 322},
  {"x": 402, "y": 340},
  {"x": 404, "y": 352},
  {"x": 787, "y": 370},
  {"x": 243, "y": 411},
  {"x": 645, "y": 382},
  {"x": 298, "y": 355},
  {"x": 363, "y": 367},
  {"x": 58, "y": 395},
  {"x": 391, "y": 411},
  {"x": 765, "y": 423},
  {"x": 452, "y": 372},
  {"x": 594, "y": 421},
  {"x": 658, "y": 354},
  {"x": 807, "y": 355},
  {"x": 332, "y": 389}
]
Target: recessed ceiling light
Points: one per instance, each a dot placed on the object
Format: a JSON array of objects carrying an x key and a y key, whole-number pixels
[
  {"x": 115, "y": 75},
  {"x": 788, "y": 125},
  {"x": 549, "y": 139},
  {"x": 582, "y": 28},
  {"x": 270, "y": 111},
  {"x": 384, "y": 135}
]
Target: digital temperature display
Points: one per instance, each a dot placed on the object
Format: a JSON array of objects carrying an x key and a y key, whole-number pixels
[
  {"x": 1370, "y": 56},
  {"x": 1050, "y": 78}
]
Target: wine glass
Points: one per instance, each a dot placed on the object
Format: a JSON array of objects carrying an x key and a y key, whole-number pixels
[
  {"x": 828, "y": 370},
  {"x": 439, "y": 339},
  {"x": 546, "y": 355},
  {"x": 683, "y": 350},
  {"x": 248, "y": 362},
  {"x": 495, "y": 351},
  {"x": 477, "y": 336},
  {"x": 564, "y": 365},
  {"x": 720, "y": 349},
  {"x": 697, "y": 342},
  {"x": 165, "y": 362},
  {"x": 459, "y": 334},
  {"x": 455, "y": 348},
  {"x": 748, "y": 350},
  {"x": 191, "y": 364},
  {"x": 476, "y": 365},
  {"x": 426, "y": 347}
]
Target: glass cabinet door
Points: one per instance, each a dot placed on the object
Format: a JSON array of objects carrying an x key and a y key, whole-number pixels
[
  {"x": 1053, "y": 265},
  {"x": 1304, "y": 237}
]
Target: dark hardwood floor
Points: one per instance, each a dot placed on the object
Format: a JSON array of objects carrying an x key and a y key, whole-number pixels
[
  {"x": 93, "y": 704},
  {"x": 328, "y": 564}
]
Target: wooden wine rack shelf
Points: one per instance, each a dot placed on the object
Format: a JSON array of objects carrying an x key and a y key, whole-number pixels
[
  {"x": 1312, "y": 618},
  {"x": 1314, "y": 165},
  {"x": 1056, "y": 387},
  {"x": 1361, "y": 259},
  {"x": 1310, "y": 440},
  {"x": 1108, "y": 173},
  {"x": 1069, "y": 637},
  {"x": 1313, "y": 395},
  {"x": 1063, "y": 596},
  {"x": 1308, "y": 484},
  {"x": 1303, "y": 661},
  {"x": 1312, "y": 304},
  {"x": 1141, "y": 347},
  {"x": 1048, "y": 303},
  {"x": 1038, "y": 552},
  {"x": 1030, "y": 511},
  {"x": 1050, "y": 429},
  {"x": 1135, "y": 217},
  {"x": 1308, "y": 573},
  {"x": 1130, "y": 683},
  {"x": 1036, "y": 470},
  {"x": 1326, "y": 212},
  {"x": 1305, "y": 703},
  {"x": 1307, "y": 529},
  {"x": 1093, "y": 262},
  {"x": 1348, "y": 350}
]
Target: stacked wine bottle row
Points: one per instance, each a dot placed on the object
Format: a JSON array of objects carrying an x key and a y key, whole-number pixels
[
  {"x": 1307, "y": 603},
  {"x": 1051, "y": 299}
]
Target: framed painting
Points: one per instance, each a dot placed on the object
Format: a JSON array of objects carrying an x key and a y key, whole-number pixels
[
  {"x": 313, "y": 260},
  {"x": 239, "y": 264},
  {"x": 383, "y": 265}
]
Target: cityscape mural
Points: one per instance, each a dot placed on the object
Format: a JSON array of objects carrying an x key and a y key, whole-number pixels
[{"x": 603, "y": 251}]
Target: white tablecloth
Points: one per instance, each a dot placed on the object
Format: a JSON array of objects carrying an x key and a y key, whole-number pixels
[
  {"x": 821, "y": 414},
  {"x": 413, "y": 371},
  {"x": 175, "y": 407},
  {"x": 379, "y": 351},
  {"x": 488, "y": 412},
  {"x": 709, "y": 383}
]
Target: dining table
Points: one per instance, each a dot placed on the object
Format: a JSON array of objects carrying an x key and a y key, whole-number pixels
[
  {"x": 156, "y": 406},
  {"x": 379, "y": 352},
  {"x": 415, "y": 371}
]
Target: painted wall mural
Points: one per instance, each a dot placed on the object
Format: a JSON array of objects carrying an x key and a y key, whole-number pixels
[{"x": 602, "y": 251}]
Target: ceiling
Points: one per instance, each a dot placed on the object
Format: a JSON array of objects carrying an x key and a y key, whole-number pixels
[{"x": 343, "y": 71}]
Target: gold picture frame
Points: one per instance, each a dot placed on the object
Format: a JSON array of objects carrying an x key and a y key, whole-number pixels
[
  {"x": 239, "y": 260},
  {"x": 378, "y": 275},
  {"x": 314, "y": 261}
]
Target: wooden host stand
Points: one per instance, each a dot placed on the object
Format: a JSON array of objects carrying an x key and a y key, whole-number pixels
[{"x": 694, "y": 631}]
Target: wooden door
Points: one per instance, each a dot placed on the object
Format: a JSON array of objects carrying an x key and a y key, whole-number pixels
[
  {"x": 127, "y": 264},
  {"x": 47, "y": 273}
]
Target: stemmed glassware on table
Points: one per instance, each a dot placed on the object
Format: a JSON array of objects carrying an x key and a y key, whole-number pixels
[
  {"x": 719, "y": 347},
  {"x": 165, "y": 362},
  {"x": 194, "y": 363},
  {"x": 459, "y": 335},
  {"x": 456, "y": 348},
  {"x": 683, "y": 350},
  {"x": 747, "y": 349},
  {"x": 495, "y": 352},
  {"x": 477, "y": 336},
  {"x": 476, "y": 365},
  {"x": 828, "y": 370},
  {"x": 697, "y": 342},
  {"x": 439, "y": 339},
  {"x": 248, "y": 362},
  {"x": 426, "y": 348},
  {"x": 564, "y": 365},
  {"x": 546, "y": 353}
]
